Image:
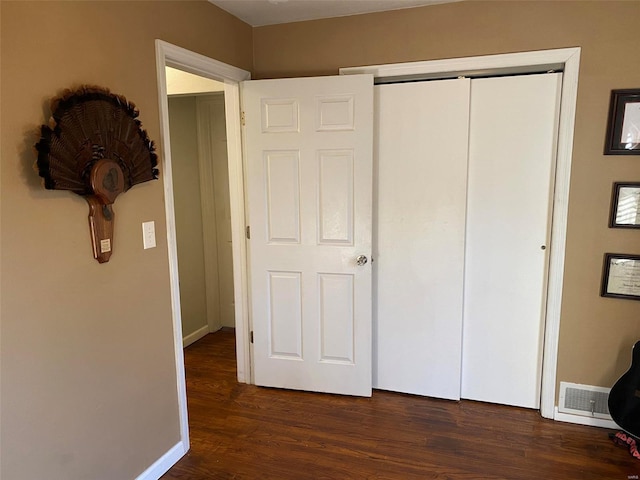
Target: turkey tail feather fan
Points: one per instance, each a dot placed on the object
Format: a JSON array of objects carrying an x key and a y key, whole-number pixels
[
  {"x": 90, "y": 124},
  {"x": 96, "y": 148}
]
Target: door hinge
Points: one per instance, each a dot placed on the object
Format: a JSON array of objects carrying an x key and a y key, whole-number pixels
[
  {"x": 243, "y": 119},
  {"x": 251, "y": 336},
  {"x": 248, "y": 232}
]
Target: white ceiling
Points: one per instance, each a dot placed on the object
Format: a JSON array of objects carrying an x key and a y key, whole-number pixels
[{"x": 271, "y": 12}]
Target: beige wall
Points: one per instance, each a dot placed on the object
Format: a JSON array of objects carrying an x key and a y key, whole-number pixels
[
  {"x": 88, "y": 375},
  {"x": 185, "y": 171},
  {"x": 88, "y": 380},
  {"x": 596, "y": 333}
]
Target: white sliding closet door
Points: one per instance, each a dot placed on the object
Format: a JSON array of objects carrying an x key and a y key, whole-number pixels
[
  {"x": 420, "y": 176},
  {"x": 512, "y": 147}
]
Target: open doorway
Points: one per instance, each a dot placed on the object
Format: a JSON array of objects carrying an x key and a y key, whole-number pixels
[
  {"x": 168, "y": 55},
  {"x": 197, "y": 126}
]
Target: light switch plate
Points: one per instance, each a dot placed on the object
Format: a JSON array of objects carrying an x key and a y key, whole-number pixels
[{"x": 149, "y": 234}]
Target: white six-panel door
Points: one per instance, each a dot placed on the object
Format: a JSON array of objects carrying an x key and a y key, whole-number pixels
[
  {"x": 308, "y": 146},
  {"x": 512, "y": 149},
  {"x": 419, "y": 222}
]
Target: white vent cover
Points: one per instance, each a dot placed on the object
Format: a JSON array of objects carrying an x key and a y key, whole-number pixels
[{"x": 584, "y": 400}]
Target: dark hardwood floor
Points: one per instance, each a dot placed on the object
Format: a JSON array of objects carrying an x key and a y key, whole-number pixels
[{"x": 246, "y": 432}]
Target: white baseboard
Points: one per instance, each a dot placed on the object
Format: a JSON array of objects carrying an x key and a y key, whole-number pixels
[
  {"x": 164, "y": 463},
  {"x": 195, "y": 336},
  {"x": 579, "y": 419}
]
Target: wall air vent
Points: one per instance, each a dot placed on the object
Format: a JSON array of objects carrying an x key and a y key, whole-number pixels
[{"x": 584, "y": 400}]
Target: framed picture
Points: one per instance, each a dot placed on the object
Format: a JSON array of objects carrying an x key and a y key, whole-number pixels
[
  {"x": 621, "y": 276},
  {"x": 625, "y": 205},
  {"x": 623, "y": 129}
]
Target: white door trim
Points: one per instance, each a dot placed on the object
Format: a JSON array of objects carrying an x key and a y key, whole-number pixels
[
  {"x": 567, "y": 59},
  {"x": 171, "y": 55}
]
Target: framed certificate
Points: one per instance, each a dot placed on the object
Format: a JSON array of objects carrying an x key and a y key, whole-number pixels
[
  {"x": 621, "y": 276},
  {"x": 625, "y": 205},
  {"x": 623, "y": 128}
]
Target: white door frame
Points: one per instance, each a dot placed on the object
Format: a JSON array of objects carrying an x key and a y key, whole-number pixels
[
  {"x": 173, "y": 56},
  {"x": 568, "y": 60}
]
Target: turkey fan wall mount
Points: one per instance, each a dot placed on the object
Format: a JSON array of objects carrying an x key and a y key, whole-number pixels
[{"x": 95, "y": 147}]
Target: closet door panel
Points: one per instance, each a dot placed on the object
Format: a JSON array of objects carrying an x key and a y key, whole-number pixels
[
  {"x": 512, "y": 148},
  {"x": 420, "y": 170}
]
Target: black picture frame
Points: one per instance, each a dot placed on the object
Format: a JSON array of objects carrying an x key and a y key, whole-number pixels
[
  {"x": 624, "y": 121},
  {"x": 621, "y": 276},
  {"x": 625, "y": 205}
]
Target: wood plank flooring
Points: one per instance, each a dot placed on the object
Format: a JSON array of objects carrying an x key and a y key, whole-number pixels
[{"x": 245, "y": 432}]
